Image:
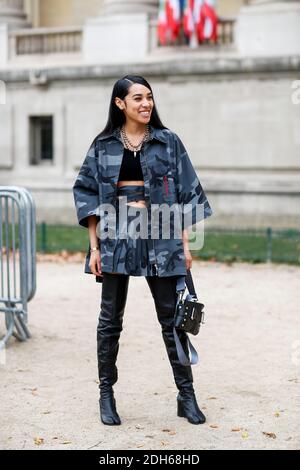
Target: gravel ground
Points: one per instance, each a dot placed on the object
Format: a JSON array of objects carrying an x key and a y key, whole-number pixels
[{"x": 247, "y": 381}]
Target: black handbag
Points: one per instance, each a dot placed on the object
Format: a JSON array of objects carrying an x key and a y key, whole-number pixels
[{"x": 189, "y": 315}]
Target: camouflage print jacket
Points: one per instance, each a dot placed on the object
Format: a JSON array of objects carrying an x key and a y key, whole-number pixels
[{"x": 169, "y": 178}]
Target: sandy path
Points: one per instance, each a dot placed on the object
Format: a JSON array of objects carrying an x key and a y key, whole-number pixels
[{"x": 248, "y": 377}]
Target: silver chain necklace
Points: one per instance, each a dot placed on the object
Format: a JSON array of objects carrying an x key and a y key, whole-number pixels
[{"x": 129, "y": 145}]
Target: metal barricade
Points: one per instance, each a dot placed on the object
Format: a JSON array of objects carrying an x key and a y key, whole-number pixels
[{"x": 17, "y": 259}]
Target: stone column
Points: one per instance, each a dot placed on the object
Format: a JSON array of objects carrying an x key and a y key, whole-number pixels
[
  {"x": 12, "y": 16},
  {"x": 121, "y": 32},
  {"x": 12, "y": 13},
  {"x": 269, "y": 28}
]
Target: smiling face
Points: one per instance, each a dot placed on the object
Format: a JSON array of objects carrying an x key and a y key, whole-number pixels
[{"x": 138, "y": 104}]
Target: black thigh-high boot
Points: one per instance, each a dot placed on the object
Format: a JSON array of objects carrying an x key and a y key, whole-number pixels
[
  {"x": 163, "y": 291},
  {"x": 113, "y": 301}
]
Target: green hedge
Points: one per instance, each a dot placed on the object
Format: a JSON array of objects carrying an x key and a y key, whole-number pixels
[{"x": 219, "y": 244}]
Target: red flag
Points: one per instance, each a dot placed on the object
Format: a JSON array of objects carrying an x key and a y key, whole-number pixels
[
  {"x": 188, "y": 18},
  {"x": 173, "y": 18},
  {"x": 162, "y": 24},
  {"x": 208, "y": 23}
]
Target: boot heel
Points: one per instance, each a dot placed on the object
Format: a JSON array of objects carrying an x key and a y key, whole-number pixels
[
  {"x": 180, "y": 410},
  {"x": 108, "y": 412}
]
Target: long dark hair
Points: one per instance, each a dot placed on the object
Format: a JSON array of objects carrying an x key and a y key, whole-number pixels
[{"x": 116, "y": 117}]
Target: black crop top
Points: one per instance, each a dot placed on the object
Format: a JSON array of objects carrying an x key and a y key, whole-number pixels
[{"x": 131, "y": 167}]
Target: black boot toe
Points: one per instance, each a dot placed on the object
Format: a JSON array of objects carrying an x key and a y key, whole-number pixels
[{"x": 187, "y": 407}]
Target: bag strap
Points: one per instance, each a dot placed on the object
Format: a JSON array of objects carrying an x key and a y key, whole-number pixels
[
  {"x": 184, "y": 360},
  {"x": 190, "y": 283},
  {"x": 182, "y": 283},
  {"x": 186, "y": 281}
]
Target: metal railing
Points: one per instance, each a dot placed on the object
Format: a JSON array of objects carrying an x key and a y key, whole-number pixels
[
  {"x": 252, "y": 245},
  {"x": 17, "y": 259},
  {"x": 221, "y": 244}
]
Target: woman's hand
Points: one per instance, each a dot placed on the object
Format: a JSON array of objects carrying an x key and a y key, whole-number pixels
[
  {"x": 188, "y": 258},
  {"x": 95, "y": 263},
  {"x": 187, "y": 253}
]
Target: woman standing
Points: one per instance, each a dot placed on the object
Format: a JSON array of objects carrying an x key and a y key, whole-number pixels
[{"x": 136, "y": 160}]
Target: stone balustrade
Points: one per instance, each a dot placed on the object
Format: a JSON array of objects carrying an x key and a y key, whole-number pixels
[{"x": 45, "y": 41}]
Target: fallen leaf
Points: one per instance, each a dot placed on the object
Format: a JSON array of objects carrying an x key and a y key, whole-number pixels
[
  {"x": 172, "y": 433},
  {"x": 66, "y": 442},
  {"x": 138, "y": 426},
  {"x": 140, "y": 445},
  {"x": 271, "y": 435},
  {"x": 277, "y": 414},
  {"x": 236, "y": 429},
  {"x": 214, "y": 426},
  {"x": 245, "y": 435},
  {"x": 46, "y": 412},
  {"x": 38, "y": 441},
  {"x": 164, "y": 443},
  {"x": 212, "y": 398},
  {"x": 166, "y": 430}
]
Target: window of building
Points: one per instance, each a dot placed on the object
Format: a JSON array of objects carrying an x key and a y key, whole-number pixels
[{"x": 41, "y": 140}]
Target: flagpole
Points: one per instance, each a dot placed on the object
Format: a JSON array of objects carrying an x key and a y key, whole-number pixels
[
  {"x": 194, "y": 36},
  {"x": 194, "y": 40}
]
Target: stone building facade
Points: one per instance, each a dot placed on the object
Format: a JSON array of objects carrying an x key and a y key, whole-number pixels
[{"x": 236, "y": 105}]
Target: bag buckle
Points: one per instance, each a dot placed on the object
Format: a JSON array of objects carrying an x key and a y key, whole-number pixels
[{"x": 192, "y": 315}]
